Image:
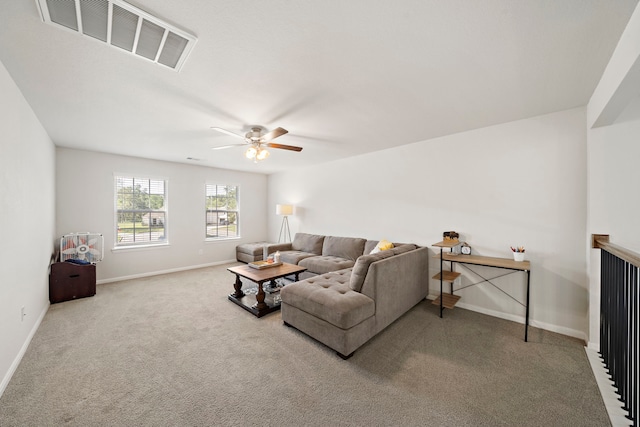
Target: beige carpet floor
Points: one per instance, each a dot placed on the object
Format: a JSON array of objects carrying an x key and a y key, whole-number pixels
[{"x": 171, "y": 350}]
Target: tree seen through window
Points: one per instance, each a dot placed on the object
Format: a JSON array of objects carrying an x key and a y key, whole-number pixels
[
  {"x": 141, "y": 211},
  {"x": 221, "y": 210}
]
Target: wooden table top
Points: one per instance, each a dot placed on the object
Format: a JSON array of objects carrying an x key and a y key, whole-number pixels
[
  {"x": 264, "y": 274},
  {"x": 488, "y": 261}
]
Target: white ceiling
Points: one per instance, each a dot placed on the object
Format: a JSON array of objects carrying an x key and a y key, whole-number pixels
[{"x": 344, "y": 77}]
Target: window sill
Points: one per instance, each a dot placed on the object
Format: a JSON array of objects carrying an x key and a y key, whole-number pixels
[
  {"x": 220, "y": 239},
  {"x": 139, "y": 247}
]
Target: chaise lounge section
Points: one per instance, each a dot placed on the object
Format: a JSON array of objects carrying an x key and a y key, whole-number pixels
[{"x": 346, "y": 307}]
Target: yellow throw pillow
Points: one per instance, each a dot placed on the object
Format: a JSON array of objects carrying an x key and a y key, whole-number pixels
[{"x": 382, "y": 245}]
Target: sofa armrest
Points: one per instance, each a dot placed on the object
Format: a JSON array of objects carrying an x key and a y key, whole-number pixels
[
  {"x": 397, "y": 283},
  {"x": 273, "y": 247}
]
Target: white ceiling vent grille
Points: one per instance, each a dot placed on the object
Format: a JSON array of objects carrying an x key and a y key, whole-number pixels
[{"x": 119, "y": 24}]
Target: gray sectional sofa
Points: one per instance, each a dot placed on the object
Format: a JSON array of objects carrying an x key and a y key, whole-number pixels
[
  {"x": 347, "y": 294},
  {"x": 321, "y": 254}
]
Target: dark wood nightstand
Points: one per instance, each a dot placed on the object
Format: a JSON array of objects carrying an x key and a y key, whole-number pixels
[{"x": 68, "y": 281}]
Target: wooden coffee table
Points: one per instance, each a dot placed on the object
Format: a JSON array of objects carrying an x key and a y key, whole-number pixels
[{"x": 256, "y": 304}]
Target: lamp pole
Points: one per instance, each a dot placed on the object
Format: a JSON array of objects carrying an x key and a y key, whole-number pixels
[
  {"x": 285, "y": 211},
  {"x": 284, "y": 230}
]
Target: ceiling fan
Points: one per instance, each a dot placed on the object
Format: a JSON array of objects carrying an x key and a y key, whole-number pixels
[{"x": 257, "y": 142}]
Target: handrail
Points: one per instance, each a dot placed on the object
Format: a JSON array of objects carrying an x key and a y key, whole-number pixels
[
  {"x": 601, "y": 241},
  {"x": 619, "y": 310}
]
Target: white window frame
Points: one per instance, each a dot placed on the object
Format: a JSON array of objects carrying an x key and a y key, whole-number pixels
[
  {"x": 162, "y": 240},
  {"x": 209, "y": 212}
]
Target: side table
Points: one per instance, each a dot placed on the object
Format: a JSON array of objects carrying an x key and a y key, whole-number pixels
[{"x": 68, "y": 281}]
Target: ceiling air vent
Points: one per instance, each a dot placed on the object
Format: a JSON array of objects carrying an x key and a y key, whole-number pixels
[{"x": 121, "y": 25}]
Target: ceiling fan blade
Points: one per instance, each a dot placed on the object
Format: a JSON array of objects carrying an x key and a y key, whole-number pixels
[
  {"x": 284, "y": 147},
  {"x": 273, "y": 134},
  {"x": 228, "y": 132},
  {"x": 227, "y": 146}
]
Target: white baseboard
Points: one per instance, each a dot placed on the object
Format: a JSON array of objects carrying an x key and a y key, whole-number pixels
[
  {"x": 23, "y": 349},
  {"x": 617, "y": 415},
  {"x": 520, "y": 319},
  {"x": 158, "y": 272},
  {"x": 595, "y": 346}
]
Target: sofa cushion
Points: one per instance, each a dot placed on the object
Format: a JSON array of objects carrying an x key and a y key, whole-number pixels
[
  {"x": 362, "y": 264},
  {"x": 344, "y": 247},
  {"x": 328, "y": 297},
  {"x": 311, "y": 243},
  {"x": 252, "y": 248},
  {"x": 325, "y": 264},
  {"x": 369, "y": 245},
  {"x": 361, "y": 267},
  {"x": 403, "y": 248},
  {"x": 294, "y": 257}
]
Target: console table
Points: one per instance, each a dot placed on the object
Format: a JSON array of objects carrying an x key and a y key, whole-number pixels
[{"x": 449, "y": 300}]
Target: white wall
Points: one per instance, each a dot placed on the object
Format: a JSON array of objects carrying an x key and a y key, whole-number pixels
[
  {"x": 620, "y": 82},
  {"x": 520, "y": 183},
  {"x": 614, "y": 197},
  {"x": 27, "y": 218},
  {"x": 85, "y": 202},
  {"x": 613, "y": 159},
  {"x": 614, "y": 181}
]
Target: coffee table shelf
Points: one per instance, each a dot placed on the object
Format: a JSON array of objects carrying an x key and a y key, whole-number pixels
[{"x": 257, "y": 304}]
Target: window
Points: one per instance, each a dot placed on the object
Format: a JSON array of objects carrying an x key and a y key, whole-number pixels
[
  {"x": 141, "y": 211},
  {"x": 222, "y": 214}
]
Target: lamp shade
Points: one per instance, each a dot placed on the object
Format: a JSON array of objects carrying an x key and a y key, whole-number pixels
[{"x": 284, "y": 210}]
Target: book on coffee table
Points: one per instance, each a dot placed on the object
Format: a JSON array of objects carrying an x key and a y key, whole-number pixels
[{"x": 263, "y": 264}]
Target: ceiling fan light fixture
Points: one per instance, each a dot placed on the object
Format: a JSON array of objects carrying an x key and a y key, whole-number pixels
[
  {"x": 251, "y": 152},
  {"x": 257, "y": 142},
  {"x": 262, "y": 154},
  {"x": 254, "y": 135}
]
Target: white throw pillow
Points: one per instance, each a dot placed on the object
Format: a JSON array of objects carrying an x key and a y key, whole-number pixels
[{"x": 382, "y": 245}]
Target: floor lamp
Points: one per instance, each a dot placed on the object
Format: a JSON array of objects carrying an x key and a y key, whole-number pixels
[{"x": 285, "y": 211}]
